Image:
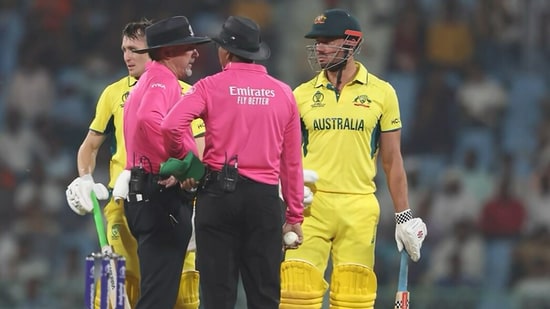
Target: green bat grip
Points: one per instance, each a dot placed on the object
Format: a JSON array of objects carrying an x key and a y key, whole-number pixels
[{"x": 98, "y": 219}]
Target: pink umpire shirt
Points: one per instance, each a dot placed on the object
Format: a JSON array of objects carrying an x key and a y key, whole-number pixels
[
  {"x": 156, "y": 91},
  {"x": 250, "y": 114}
]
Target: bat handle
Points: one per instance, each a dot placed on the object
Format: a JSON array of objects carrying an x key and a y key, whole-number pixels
[
  {"x": 402, "y": 295},
  {"x": 403, "y": 271}
]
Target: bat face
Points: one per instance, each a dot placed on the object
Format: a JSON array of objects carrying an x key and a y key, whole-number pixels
[{"x": 401, "y": 300}]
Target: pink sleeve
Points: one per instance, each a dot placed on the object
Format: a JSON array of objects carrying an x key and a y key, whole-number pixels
[
  {"x": 151, "y": 111},
  {"x": 292, "y": 179},
  {"x": 177, "y": 123}
]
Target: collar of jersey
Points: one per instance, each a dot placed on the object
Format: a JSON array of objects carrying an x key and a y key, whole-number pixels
[
  {"x": 361, "y": 76},
  {"x": 131, "y": 81},
  {"x": 245, "y": 66}
]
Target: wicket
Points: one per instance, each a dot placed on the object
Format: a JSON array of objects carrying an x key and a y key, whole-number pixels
[{"x": 104, "y": 271}]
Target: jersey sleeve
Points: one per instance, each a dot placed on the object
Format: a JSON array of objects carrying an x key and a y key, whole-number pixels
[
  {"x": 391, "y": 119},
  {"x": 198, "y": 127},
  {"x": 103, "y": 112}
]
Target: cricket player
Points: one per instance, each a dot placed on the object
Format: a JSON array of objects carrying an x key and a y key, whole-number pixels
[
  {"x": 108, "y": 121},
  {"x": 349, "y": 117}
]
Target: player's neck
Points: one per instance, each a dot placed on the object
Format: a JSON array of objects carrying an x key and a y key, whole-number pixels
[{"x": 348, "y": 74}]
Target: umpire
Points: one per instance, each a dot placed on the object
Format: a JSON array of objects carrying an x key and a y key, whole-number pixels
[
  {"x": 158, "y": 216},
  {"x": 252, "y": 141}
]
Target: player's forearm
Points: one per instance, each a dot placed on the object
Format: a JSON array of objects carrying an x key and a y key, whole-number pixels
[
  {"x": 397, "y": 185},
  {"x": 87, "y": 153}
]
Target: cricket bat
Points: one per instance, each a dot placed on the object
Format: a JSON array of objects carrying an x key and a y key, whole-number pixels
[
  {"x": 402, "y": 295},
  {"x": 106, "y": 249}
]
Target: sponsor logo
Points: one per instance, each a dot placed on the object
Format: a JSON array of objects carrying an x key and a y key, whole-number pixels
[
  {"x": 317, "y": 99},
  {"x": 362, "y": 101},
  {"x": 124, "y": 98},
  {"x": 158, "y": 85},
  {"x": 251, "y": 92},
  {"x": 115, "y": 231},
  {"x": 395, "y": 121},
  {"x": 251, "y": 96}
]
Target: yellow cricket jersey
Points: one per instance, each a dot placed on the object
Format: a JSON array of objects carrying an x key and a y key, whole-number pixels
[
  {"x": 341, "y": 132},
  {"x": 108, "y": 119}
]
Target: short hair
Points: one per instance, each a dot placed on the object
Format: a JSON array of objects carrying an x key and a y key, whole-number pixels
[{"x": 136, "y": 29}]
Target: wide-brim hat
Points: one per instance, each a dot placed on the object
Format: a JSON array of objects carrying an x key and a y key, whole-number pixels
[
  {"x": 241, "y": 36},
  {"x": 333, "y": 23},
  {"x": 172, "y": 31}
]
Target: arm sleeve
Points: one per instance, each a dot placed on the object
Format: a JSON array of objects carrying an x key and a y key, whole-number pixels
[
  {"x": 103, "y": 112},
  {"x": 291, "y": 168},
  {"x": 391, "y": 118},
  {"x": 198, "y": 127},
  {"x": 176, "y": 125},
  {"x": 150, "y": 111}
]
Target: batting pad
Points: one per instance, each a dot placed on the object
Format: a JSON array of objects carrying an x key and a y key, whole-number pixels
[
  {"x": 302, "y": 285},
  {"x": 352, "y": 286},
  {"x": 188, "y": 295}
]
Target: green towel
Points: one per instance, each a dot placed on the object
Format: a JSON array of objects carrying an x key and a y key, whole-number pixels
[{"x": 189, "y": 167}]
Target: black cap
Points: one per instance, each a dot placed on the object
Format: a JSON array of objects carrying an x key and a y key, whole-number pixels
[
  {"x": 334, "y": 23},
  {"x": 172, "y": 31},
  {"x": 241, "y": 36}
]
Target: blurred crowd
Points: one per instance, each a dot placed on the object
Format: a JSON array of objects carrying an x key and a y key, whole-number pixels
[{"x": 472, "y": 79}]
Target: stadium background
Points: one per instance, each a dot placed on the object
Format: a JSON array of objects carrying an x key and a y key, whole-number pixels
[{"x": 472, "y": 78}]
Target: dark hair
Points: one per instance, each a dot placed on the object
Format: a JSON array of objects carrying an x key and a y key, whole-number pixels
[{"x": 136, "y": 29}]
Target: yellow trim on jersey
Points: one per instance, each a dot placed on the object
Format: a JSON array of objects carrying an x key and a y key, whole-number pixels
[
  {"x": 110, "y": 108},
  {"x": 341, "y": 133}
]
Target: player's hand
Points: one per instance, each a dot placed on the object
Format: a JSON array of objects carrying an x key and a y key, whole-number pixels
[
  {"x": 79, "y": 191},
  {"x": 410, "y": 233},
  {"x": 310, "y": 177},
  {"x": 122, "y": 185}
]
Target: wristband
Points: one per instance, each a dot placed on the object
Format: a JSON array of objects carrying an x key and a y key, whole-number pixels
[{"x": 404, "y": 216}]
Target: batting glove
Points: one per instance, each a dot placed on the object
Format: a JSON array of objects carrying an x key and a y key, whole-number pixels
[
  {"x": 79, "y": 191},
  {"x": 122, "y": 185},
  {"x": 409, "y": 233},
  {"x": 310, "y": 177},
  {"x": 308, "y": 197}
]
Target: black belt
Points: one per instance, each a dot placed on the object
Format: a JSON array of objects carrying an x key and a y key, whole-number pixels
[
  {"x": 143, "y": 186},
  {"x": 136, "y": 197},
  {"x": 212, "y": 175}
]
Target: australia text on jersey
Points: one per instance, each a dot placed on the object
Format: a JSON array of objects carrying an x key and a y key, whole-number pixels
[{"x": 336, "y": 123}]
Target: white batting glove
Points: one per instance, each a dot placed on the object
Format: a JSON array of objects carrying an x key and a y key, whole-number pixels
[
  {"x": 79, "y": 191},
  {"x": 409, "y": 233},
  {"x": 310, "y": 177},
  {"x": 122, "y": 185},
  {"x": 308, "y": 197}
]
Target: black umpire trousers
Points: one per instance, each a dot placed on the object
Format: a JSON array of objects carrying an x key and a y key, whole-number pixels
[
  {"x": 162, "y": 227},
  {"x": 239, "y": 232}
]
